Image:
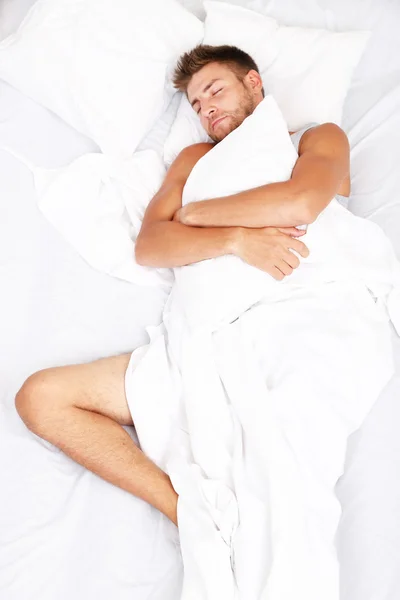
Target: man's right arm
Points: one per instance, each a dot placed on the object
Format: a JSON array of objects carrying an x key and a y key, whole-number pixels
[{"x": 163, "y": 242}]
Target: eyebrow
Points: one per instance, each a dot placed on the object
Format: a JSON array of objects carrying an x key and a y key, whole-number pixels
[{"x": 205, "y": 89}]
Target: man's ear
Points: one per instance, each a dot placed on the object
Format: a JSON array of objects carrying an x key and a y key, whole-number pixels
[{"x": 254, "y": 80}]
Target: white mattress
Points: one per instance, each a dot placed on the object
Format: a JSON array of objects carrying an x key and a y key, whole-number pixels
[{"x": 66, "y": 534}]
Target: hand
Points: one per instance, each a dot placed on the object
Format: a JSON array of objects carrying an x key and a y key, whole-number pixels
[
  {"x": 177, "y": 216},
  {"x": 182, "y": 215},
  {"x": 269, "y": 249},
  {"x": 293, "y": 231}
]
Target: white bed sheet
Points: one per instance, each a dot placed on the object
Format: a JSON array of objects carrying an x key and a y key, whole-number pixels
[{"x": 80, "y": 537}]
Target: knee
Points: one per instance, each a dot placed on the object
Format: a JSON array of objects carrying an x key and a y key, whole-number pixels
[{"x": 34, "y": 402}]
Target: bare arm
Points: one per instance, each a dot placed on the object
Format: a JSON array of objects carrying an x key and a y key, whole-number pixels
[
  {"x": 324, "y": 157},
  {"x": 171, "y": 244},
  {"x": 274, "y": 204},
  {"x": 163, "y": 242}
]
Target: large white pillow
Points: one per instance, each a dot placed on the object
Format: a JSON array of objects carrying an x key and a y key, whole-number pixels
[
  {"x": 214, "y": 292},
  {"x": 308, "y": 71},
  {"x": 101, "y": 65}
]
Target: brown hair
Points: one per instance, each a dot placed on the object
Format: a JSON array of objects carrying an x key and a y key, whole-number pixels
[{"x": 191, "y": 62}]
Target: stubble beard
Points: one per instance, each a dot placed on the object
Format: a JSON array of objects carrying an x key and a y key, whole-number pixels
[{"x": 246, "y": 108}]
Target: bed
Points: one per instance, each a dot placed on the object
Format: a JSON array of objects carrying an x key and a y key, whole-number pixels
[{"x": 65, "y": 533}]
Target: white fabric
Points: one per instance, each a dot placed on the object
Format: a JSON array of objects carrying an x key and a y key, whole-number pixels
[
  {"x": 308, "y": 71},
  {"x": 12, "y": 12},
  {"x": 195, "y": 6},
  {"x": 102, "y": 66},
  {"x": 255, "y": 404},
  {"x": 97, "y": 203}
]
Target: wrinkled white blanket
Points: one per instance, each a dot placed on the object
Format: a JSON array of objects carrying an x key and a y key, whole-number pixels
[
  {"x": 250, "y": 387},
  {"x": 97, "y": 203}
]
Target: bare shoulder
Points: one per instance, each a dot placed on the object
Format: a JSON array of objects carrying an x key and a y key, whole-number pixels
[
  {"x": 197, "y": 149},
  {"x": 187, "y": 158},
  {"x": 327, "y": 137},
  {"x": 329, "y": 141},
  {"x": 168, "y": 199}
]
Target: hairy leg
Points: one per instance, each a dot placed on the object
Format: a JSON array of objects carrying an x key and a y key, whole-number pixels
[{"x": 80, "y": 409}]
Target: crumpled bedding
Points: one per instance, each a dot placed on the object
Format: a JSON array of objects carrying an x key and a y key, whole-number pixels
[
  {"x": 97, "y": 203},
  {"x": 248, "y": 402}
]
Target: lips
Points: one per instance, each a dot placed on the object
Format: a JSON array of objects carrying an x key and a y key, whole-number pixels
[{"x": 214, "y": 123}]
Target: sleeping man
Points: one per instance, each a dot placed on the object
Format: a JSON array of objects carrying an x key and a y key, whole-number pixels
[{"x": 286, "y": 372}]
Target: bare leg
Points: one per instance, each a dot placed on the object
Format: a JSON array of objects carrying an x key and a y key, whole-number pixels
[{"x": 80, "y": 409}]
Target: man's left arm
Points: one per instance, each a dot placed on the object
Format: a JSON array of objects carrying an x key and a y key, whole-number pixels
[{"x": 323, "y": 163}]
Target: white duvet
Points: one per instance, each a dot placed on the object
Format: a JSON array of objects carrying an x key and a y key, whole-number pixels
[{"x": 250, "y": 387}]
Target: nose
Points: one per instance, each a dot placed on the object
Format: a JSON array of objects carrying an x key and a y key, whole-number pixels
[{"x": 207, "y": 109}]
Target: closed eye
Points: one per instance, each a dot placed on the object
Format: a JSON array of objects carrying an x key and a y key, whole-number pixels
[{"x": 213, "y": 94}]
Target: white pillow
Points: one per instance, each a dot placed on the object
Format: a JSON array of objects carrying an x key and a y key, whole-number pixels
[
  {"x": 308, "y": 71},
  {"x": 12, "y": 13},
  {"x": 195, "y": 7},
  {"x": 213, "y": 292},
  {"x": 101, "y": 65}
]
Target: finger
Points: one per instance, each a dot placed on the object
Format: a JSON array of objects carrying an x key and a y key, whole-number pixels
[
  {"x": 283, "y": 266},
  {"x": 300, "y": 247},
  {"x": 291, "y": 259},
  {"x": 276, "y": 273},
  {"x": 293, "y": 231}
]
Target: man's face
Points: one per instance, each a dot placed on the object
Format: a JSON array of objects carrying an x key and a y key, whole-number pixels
[{"x": 221, "y": 100}]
